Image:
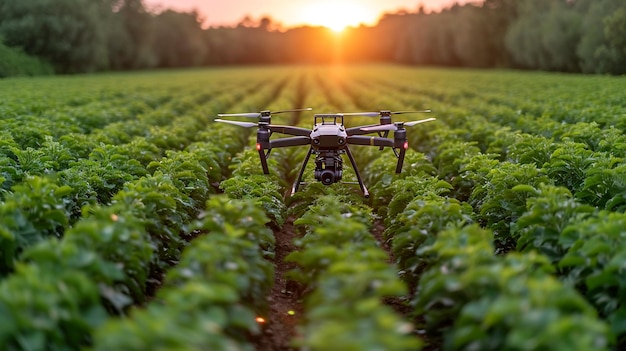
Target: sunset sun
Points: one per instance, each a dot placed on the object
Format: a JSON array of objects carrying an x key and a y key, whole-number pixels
[{"x": 336, "y": 15}]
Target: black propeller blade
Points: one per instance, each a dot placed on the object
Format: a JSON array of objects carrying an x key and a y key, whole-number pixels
[
  {"x": 238, "y": 123},
  {"x": 395, "y": 126}
]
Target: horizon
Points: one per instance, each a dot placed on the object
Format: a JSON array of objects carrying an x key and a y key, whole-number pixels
[{"x": 289, "y": 14}]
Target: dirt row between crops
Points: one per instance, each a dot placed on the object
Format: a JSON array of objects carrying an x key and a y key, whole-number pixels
[
  {"x": 280, "y": 327},
  {"x": 397, "y": 304},
  {"x": 285, "y": 305}
]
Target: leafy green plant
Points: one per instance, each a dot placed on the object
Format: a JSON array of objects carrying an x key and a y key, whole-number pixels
[
  {"x": 473, "y": 299},
  {"x": 196, "y": 317},
  {"x": 531, "y": 149},
  {"x": 211, "y": 298},
  {"x": 418, "y": 225},
  {"x": 594, "y": 263},
  {"x": 407, "y": 189},
  {"x": 527, "y": 313},
  {"x": 57, "y": 257},
  {"x": 568, "y": 165},
  {"x": 162, "y": 208},
  {"x": 35, "y": 210},
  {"x": 43, "y": 311},
  {"x": 120, "y": 239},
  {"x": 550, "y": 210},
  {"x": 346, "y": 275},
  {"x": 449, "y": 153},
  {"x": 379, "y": 175},
  {"x": 499, "y": 201},
  {"x": 605, "y": 188},
  {"x": 236, "y": 228},
  {"x": 189, "y": 173},
  {"x": 262, "y": 190}
]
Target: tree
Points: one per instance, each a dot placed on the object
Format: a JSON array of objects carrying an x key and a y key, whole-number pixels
[
  {"x": 602, "y": 48},
  {"x": 131, "y": 36},
  {"x": 66, "y": 33},
  {"x": 13, "y": 62},
  {"x": 545, "y": 35},
  {"x": 178, "y": 39}
]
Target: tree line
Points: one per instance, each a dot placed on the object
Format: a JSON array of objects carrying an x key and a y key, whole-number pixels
[{"x": 76, "y": 36}]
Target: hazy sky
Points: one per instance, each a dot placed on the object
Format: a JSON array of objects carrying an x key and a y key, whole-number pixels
[{"x": 332, "y": 13}]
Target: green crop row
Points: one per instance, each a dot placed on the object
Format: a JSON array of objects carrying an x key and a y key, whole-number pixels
[
  {"x": 104, "y": 261},
  {"x": 346, "y": 277},
  {"x": 86, "y": 171},
  {"x": 43, "y": 207},
  {"x": 476, "y": 300},
  {"x": 94, "y": 272},
  {"x": 527, "y": 212},
  {"x": 144, "y": 138},
  {"x": 469, "y": 298},
  {"x": 211, "y": 297}
]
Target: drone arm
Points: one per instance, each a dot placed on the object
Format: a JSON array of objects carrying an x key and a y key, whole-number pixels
[
  {"x": 287, "y": 142},
  {"x": 370, "y": 141},
  {"x": 290, "y": 130}
]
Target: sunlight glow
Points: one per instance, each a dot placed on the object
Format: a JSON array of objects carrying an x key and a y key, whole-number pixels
[{"x": 336, "y": 15}]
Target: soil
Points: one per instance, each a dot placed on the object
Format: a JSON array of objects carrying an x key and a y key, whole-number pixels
[
  {"x": 396, "y": 303},
  {"x": 285, "y": 305},
  {"x": 378, "y": 227}
]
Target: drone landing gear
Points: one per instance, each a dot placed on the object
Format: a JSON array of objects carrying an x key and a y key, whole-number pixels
[
  {"x": 331, "y": 173},
  {"x": 295, "y": 186},
  {"x": 358, "y": 174}
]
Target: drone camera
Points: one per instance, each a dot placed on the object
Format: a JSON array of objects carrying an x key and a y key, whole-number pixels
[
  {"x": 328, "y": 176},
  {"x": 328, "y": 168}
]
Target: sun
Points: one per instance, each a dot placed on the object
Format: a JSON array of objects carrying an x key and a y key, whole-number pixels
[{"x": 336, "y": 15}]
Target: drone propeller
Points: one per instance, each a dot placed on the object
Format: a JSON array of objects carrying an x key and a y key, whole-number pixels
[
  {"x": 364, "y": 114},
  {"x": 376, "y": 114},
  {"x": 404, "y": 112},
  {"x": 238, "y": 123},
  {"x": 258, "y": 114},
  {"x": 294, "y": 110},
  {"x": 246, "y": 115},
  {"x": 395, "y": 126}
]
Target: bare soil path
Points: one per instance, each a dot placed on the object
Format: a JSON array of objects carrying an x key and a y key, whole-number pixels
[{"x": 285, "y": 307}]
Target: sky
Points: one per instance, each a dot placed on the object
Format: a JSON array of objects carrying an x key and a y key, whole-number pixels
[{"x": 335, "y": 14}]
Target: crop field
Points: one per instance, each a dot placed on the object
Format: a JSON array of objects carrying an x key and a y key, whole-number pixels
[{"x": 130, "y": 220}]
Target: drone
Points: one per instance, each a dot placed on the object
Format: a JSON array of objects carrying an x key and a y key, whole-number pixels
[{"x": 328, "y": 140}]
